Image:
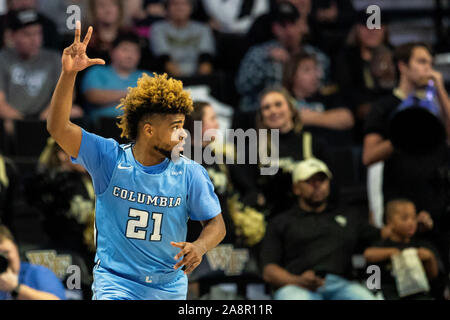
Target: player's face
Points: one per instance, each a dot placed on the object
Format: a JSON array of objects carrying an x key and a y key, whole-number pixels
[
  {"x": 307, "y": 78},
  {"x": 28, "y": 40},
  {"x": 275, "y": 111},
  {"x": 168, "y": 134},
  {"x": 9, "y": 249},
  {"x": 404, "y": 220}
]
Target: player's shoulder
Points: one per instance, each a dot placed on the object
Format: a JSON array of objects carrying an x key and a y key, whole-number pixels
[
  {"x": 189, "y": 166},
  {"x": 185, "y": 162}
]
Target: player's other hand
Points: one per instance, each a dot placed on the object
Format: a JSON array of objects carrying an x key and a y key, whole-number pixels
[
  {"x": 74, "y": 58},
  {"x": 192, "y": 255}
]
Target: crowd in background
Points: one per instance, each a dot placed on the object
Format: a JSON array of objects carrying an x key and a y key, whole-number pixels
[{"x": 313, "y": 70}]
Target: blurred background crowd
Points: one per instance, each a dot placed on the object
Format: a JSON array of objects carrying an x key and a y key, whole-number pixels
[{"x": 372, "y": 104}]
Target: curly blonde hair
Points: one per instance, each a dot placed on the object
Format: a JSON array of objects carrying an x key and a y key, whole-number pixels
[{"x": 153, "y": 95}]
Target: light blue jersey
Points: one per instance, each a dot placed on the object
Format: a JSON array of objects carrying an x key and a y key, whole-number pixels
[{"x": 139, "y": 212}]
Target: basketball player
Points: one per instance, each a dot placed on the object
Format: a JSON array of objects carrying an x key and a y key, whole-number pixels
[{"x": 143, "y": 198}]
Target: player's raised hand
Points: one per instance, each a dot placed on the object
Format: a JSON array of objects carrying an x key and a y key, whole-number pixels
[{"x": 74, "y": 57}]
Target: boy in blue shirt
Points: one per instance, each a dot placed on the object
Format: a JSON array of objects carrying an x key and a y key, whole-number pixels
[
  {"x": 143, "y": 199},
  {"x": 104, "y": 86}
]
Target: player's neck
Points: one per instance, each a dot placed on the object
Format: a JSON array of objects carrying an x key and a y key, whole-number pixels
[{"x": 147, "y": 156}]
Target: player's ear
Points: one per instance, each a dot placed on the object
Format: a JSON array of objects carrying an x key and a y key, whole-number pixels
[{"x": 148, "y": 130}]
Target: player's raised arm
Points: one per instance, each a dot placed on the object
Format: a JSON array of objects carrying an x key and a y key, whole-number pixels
[{"x": 74, "y": 60}]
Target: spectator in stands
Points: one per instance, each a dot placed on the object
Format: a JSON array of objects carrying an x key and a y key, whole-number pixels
[
  {"x": 150, "y": 12},
  {"x": 230, "y": 22},
  {"x": 321, "y": 109},
  {"x": 261, "y": 29},
  {"x": 403, "y": 222},
  {"x": 184, "y": 47},
  {"x": 107, "y": 17},
  {"x": 51, "y": 37},
  {"x": 24, "y": 281},
  {"x": 8, "y": 182},
  {"x": 421, "y": 176},
  {"x": 155, "y": 8},
  {"x": 262, "y": 66},
  {"x": 64, "y": 193},
  {"x": 365, "y": 69},
  {"x": 220, "y": 173},
  {"x": 28, "y": 73},
  {"x": 274, "y": 192},
  {"x": 232, "y": 17},
  {"x": 205, "y": 116},
  {"x": 330, "y": 21},
  {"x": 245, "y": 226},
  {"x": 104, "y": 86},
  {"x": 307, "y": 251}
]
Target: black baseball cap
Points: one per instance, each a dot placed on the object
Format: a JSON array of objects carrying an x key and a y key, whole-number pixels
[
  {"x": 23, "y": 18},
  {"x": 284, "y": 13}
]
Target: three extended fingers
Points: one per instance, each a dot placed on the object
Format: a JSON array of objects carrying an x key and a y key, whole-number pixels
[{"x": 77, "y": 49}]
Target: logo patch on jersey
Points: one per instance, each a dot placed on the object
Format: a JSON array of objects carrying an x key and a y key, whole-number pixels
[
  {"x": 121, "y": 167},
  {"x": 177, "y": 173}
]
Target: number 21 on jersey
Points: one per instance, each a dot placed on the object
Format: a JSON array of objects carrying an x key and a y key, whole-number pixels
[{"x": 135, "y": 227}]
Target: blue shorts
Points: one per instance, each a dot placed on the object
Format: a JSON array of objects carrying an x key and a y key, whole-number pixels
[{"x": 109, "y": 286}]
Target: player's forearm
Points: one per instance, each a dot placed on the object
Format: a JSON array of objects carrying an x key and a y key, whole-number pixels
[
  {"x": 61, "y": 104},
  {"x": 212, "y": 234},
  {"x": 27, "y": 293}
]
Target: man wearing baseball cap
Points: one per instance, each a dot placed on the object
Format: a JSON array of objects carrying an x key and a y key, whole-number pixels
[
  {"x": 307, "y": 251},
  {"x": 28, "y": 73}
]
